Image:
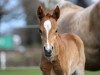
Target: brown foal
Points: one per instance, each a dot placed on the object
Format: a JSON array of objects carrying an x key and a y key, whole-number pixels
[{"x": 63, "y": 54}]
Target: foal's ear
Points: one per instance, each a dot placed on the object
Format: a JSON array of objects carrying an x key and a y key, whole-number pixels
[
  {"x": 56, "y": 13},
  {"x": 40, "y": 13}
]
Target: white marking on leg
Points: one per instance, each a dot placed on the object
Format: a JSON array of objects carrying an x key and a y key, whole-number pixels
[{"x": 47, "y": 26}]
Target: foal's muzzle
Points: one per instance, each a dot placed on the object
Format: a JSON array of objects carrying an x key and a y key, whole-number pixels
[{"x": 48, "y": 51}]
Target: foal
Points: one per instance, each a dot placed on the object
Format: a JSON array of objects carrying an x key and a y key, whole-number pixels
[{"x": 63, "y": 54}]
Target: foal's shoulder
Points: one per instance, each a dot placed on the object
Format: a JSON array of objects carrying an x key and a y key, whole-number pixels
[{"x": 72, "y": 36}]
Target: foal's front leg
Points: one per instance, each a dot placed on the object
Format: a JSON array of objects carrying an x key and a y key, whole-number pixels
[
  {"x": 57, "y": 68},
  {"x": 45, "y": 66}
]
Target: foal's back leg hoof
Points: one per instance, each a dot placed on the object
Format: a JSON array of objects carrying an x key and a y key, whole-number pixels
[
  {"x": 80, "y": 71},
  {"x": 74, "y": 73}
]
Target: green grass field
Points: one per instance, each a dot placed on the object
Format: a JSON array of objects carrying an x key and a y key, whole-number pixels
[{"x": 31, "y": 71}]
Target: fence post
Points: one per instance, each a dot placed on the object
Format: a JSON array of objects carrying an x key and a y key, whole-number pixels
[{"x": 3, "y": 60}]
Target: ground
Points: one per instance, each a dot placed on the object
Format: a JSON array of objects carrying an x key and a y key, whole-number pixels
[{"x": 33, "y": 71}]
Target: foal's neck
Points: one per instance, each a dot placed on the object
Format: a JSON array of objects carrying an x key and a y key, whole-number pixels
[
  {"x": 59, "y": 47},
  {"x": 59, "y": 42}
]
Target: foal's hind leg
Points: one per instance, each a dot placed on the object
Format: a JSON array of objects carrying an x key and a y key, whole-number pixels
[
  {"x": 74, "y": 73},
  {"x": 80, "y": 70}
]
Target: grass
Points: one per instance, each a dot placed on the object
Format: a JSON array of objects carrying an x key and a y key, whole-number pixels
[
  {"x": 92, "y": 73},
  {"x": 21, "y": 71},
  {"x": 33, "y": 71}
]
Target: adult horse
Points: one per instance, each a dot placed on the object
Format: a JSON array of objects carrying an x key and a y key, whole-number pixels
[
  {"x": 84, "y": 22},
  {"x": 63, "y": 54}
]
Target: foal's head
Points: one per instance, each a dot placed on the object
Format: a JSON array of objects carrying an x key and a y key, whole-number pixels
[{"x": 48, "y": 29}]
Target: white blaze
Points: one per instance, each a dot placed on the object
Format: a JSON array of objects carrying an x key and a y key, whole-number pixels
[{"x": 47, "y": 26}]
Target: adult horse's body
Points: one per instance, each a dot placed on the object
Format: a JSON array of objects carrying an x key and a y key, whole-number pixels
[
  {"x": 84, "y": 22},
  {"x": 63, "y": 54}
]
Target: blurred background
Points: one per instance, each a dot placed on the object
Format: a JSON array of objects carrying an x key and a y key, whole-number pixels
[{"x": 20, "y": 44}]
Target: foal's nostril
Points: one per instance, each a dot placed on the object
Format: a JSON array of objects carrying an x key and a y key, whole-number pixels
[
  {"x": 44, "y": 48},
  {"x": 52, "y": 47}
]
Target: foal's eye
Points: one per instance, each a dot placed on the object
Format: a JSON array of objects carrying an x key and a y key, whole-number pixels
[
  {"x": 56, "y": 30},
  {"x": 40, "y": 31}
]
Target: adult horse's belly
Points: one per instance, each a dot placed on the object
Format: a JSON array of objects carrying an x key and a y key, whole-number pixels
[{"x": 92, "y": 58}]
